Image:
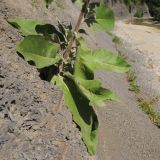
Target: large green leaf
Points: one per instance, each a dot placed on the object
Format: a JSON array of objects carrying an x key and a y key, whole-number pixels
[
  {"x": 87, "y": 62},
  {"x": 82, "y": 113},
  {"x": 39, "y": 50},
  {"x": 104, "y": 18},
  {"x": 80, "y": 70},
  {"x": 26, "y": 26},
  {"x": 93, "y": 91},
  {"x": 103, "y": 59}
]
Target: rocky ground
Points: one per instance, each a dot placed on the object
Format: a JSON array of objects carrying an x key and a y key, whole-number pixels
[{"x": 34, "y": 122}]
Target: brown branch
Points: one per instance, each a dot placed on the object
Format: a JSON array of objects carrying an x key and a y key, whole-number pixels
[{"x": 83, "y": 11}]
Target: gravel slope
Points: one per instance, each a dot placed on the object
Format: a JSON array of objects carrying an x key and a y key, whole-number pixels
[
  {"x": 141, "y": 46},
  {"x": 126, "y": 131}
]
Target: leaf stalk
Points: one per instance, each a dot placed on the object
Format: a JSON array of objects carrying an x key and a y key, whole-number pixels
[{"x": 81, "y": 16}]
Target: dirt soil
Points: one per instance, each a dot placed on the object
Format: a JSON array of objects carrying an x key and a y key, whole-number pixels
[
  {"x": 35, "y": 125},
  {"x": 141, "y": 45},
  {"x": 126, "y": 131}
]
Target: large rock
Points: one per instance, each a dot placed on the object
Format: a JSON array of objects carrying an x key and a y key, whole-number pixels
[{"x": 34, "y": 123}]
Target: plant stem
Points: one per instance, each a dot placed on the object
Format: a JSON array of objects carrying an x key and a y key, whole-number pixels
[{"x": 73, "y": 38}]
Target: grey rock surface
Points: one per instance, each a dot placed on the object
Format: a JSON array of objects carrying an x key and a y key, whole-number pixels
[{"x": 34, "y": 123}]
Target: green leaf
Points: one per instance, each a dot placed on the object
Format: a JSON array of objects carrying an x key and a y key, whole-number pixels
[
  {"x": 93, "y": 91},
  {"x": 26, "y": 26},
  {"x": 80, "y": 70},
  {"x": 83, "y": 114},
  {"x": 104, "y": 18},
  {"x": 39, "y": 50},
  {"x": 46, "y": 29},
  {"x": 103, "y": 59}
]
